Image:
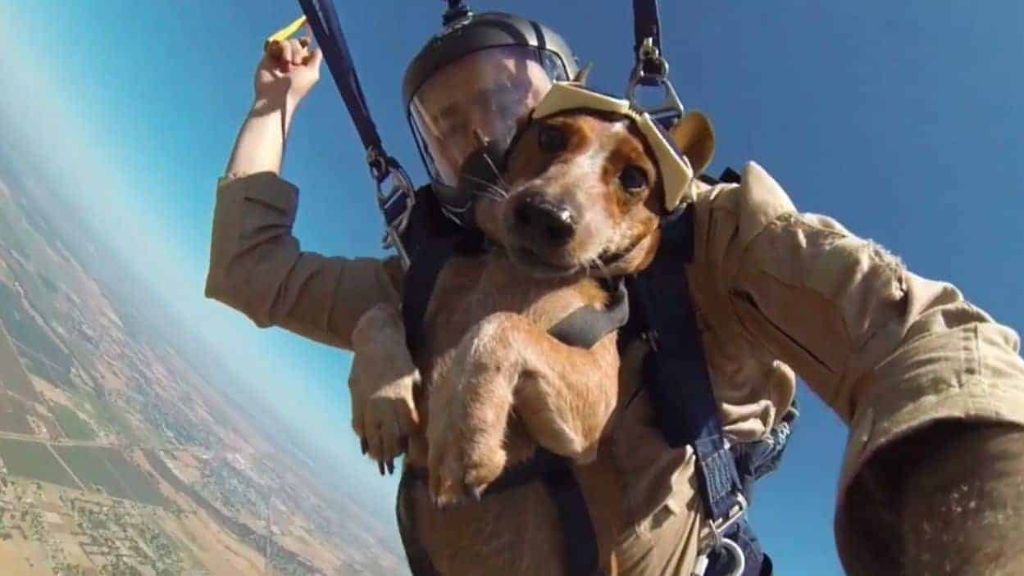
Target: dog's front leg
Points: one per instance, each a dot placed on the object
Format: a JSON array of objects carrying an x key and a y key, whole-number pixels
[
  {"x": 382, "y": 383},
  {"x": 564, "y": 396}
]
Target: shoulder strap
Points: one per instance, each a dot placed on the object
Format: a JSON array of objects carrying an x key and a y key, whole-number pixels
[
  {"x": 677, "y": 380},
  {"x": 431, "y": 239},
  {"x": 647, "y": 30}
]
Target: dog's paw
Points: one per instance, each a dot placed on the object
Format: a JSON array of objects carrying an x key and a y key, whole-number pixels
[
  {"x": 388, "y": 419},
  {"x": 462, "y": 467},
  {"x": 383, "y": 383},
  {"x": 466, "y": 433}
]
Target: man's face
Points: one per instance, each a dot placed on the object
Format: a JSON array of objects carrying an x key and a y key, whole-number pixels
[{"x": 481, "y": 96}]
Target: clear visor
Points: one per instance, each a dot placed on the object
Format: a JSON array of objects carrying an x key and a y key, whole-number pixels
[{"x": 476, "y": 99}]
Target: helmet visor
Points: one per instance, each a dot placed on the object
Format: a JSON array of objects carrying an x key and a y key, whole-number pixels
[{"x": 477, "y": 99}]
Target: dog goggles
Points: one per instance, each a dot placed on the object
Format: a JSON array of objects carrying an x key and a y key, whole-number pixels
[{"x": 676, "y": 171}]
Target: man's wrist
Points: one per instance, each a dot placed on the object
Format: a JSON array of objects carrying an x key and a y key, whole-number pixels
[{"x": 280, "y": 106}]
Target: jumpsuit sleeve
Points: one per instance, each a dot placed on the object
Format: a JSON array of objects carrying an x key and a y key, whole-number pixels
[
  {"x": 889, "y": 351},
  {"x": 258, "y": 268}
]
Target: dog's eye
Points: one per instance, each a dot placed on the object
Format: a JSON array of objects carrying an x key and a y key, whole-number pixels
[
  {"x": 633, "y": 178},
  {"x": 551, "y": 139}
]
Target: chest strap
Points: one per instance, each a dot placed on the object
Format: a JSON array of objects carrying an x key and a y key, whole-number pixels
[{"x": 676, "y": 378}]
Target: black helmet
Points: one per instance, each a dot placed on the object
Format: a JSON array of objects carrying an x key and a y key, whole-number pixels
[{"x": 469, "y": 85}]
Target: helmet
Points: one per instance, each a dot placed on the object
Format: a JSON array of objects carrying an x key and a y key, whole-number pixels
[{"x": 465, "y": 91}]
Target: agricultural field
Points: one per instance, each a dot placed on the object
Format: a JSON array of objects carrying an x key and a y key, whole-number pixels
[
  {"x": 22, "y": 326},
  {"x": 34, "y": 460},
  {"x": 108, "y": 469},
  {"x": 73, "y": 425},
  {"x": 12, "y": 375},
  {"x": 13, "y": 415}
]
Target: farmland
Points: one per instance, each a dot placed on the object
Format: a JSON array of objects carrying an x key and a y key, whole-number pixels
[
  {"x": 108, "y": 469},
  {"x": 74, "y": 427},
  {"x": 12, "y": 374},
  {"x": 34, "y": 460},
  {"x": 13, "y": 415},
  {"x": 86, "y": 383}
]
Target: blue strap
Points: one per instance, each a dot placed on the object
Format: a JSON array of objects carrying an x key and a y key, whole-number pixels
[
  {"x": 647, "y": 25},
  {"x": 679, "y": 385},
  {"x": 395, "y": 203},
  {"x": 323, "y": 20}
]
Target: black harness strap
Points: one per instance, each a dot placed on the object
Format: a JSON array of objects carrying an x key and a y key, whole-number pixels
[
  {"x": 647, "y": 36},
  {"x": 323, "y": 20},
  {"x": 556, "y": 474},
  {"x": 394, "y": 188},
  {"x": 677, "y": 380},
  {"x": 587, "y": 325}
]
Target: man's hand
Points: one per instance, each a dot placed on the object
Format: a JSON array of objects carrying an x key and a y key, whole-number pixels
[
  {"x": 286, "y": 74},
  {"x": 288, "y": 71}
]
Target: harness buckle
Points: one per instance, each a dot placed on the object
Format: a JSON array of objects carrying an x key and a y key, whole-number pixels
[
  {"x": 651, "y": 70},
  {"x": 395, "y": 200},
  {"x": 721, "y": 542}
]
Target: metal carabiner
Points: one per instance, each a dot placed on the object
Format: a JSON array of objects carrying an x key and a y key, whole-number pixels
[
  {"x": 640, "y": 76},
  {"x": 739, "y": 561},
  {"x": 383, "y": 168},
  {"x": 720, "y": 542}
]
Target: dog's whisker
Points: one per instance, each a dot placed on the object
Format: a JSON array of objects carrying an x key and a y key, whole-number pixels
[
  {"x": 496, "y": 171},
  {"x": 487, "y": 188},
  {"x": 596, "y": 264},
  {"x": 488, "y": 194}
]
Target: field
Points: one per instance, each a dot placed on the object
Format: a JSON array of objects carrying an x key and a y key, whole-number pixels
[
  {"x": 111, "y": 471},
  {"x": 71, "y": 423},
  {"x": 43, "y": 353},
  {"x": 12, "y": 375},
  {"x": 34, "y": 460},
  {"x": 13, "y": 415}
]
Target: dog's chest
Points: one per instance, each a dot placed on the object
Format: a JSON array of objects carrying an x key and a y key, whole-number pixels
[{"x": 471, "y": 289}]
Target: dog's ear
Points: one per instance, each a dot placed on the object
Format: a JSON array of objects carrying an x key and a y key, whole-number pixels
[
  {"x": 583, "y": 74},
  {"x": 695, "y": 137}
]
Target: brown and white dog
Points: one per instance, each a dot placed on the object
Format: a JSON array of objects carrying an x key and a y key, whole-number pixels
[{"x": 580, "y": 199}]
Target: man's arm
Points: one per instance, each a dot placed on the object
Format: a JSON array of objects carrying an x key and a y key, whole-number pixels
[
  {"x": 894, "y": 354},
  {"x": 256, "y": 264}
]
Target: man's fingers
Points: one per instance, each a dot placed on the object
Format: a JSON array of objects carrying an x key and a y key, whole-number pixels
[
  {"x": 274, "y": 49},
  {"x": 315, "y": 58},
  {"x": 298, "y": 53},
  {"x": 285, "y": 54}
]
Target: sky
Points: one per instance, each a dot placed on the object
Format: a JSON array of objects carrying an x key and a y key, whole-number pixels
[{"x": 901, "y": 120}]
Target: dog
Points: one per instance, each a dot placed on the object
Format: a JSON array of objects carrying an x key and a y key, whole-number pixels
[{"x": 580, "y": 200}]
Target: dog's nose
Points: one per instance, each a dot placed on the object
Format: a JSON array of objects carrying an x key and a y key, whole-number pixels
[{"x": 551, "y": 223}]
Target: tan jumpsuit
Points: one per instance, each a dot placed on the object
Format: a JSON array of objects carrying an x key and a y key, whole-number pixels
[{"x": 777, "y": 292}]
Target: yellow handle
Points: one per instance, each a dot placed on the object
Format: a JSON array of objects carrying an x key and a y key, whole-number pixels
[{"x": 286, "y": 32}]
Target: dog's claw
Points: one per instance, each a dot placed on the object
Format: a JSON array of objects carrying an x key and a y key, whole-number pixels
[
  {"x": 364, "y": 445},
  {"x": 477, "y": 492}
]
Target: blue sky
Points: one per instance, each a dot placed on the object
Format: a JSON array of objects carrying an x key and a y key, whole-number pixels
[{"x": 902, "y": 120}]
